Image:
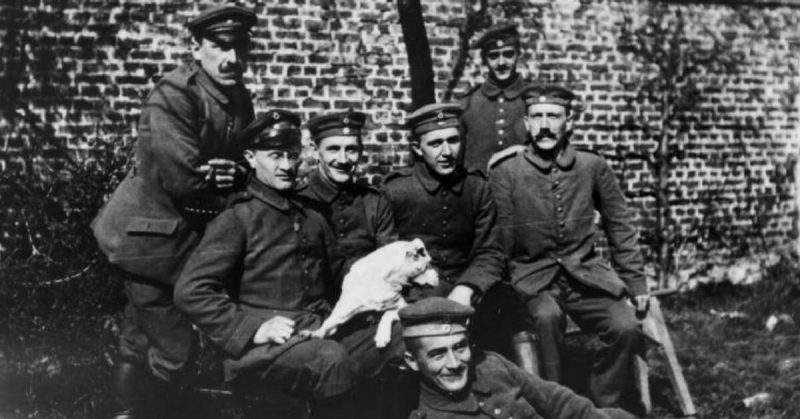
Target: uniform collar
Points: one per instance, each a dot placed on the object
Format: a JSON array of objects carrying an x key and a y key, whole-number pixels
[
  {"x": 468, "y": 402},
  {"x": 210, "y": 86},
  {"x": 269, "y": 196},
  {"x": 491, "y": 90},
  {"x": 326, "y": 191},
  {"x": 431, "y": 182},
  {"x": 565, "y": 159}
]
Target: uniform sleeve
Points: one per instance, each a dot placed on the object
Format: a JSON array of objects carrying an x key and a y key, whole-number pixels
[
  {"x": 175, "y": 125},
  {"x": 488, "y": 261},
  {"x": 552, "y": 400},
  {"x": 501, "y": 191},
  {"x": 385, "y": 229},
  {"x": 200, "y": 291},
  {"x": 621, "y": 236}
]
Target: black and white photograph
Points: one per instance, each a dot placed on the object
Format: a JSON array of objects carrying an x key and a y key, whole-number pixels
[{"x": 400, "y": 209}]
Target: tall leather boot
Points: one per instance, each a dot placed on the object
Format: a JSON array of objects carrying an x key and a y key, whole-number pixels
[
  {"x": 337, "y": 407},
  {"x": 525, "y": 351},
  {"x": 129, "y": 381}
]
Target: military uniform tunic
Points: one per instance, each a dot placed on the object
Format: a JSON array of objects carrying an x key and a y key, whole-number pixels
[
  {"x": 455, "y": 218},
  {"x": 500, "y": 389},
  {"x": 546, "y": 221},
  {"x": 360, "y": 215},
  {"x": 269, "y": 255},
  {"x": 492, "y": 121},
  {"x": 155, "y": 216}
]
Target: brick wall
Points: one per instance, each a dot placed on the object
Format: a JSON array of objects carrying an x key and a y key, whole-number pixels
[{"x": 78, "y": 69}]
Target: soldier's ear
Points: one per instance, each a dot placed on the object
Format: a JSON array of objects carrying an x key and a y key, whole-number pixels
[
  {"x": 416, "y": 148},
  {"x": 410, "y": 361},
  {"x": 195, "y": 47},
  {"x": 249, "y": 155}
]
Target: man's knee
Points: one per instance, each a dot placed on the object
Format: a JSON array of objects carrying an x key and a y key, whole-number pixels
[
  {"x": 333, "y": 369},
  {"x": 545, "y": 313},
  {"x": 622, "y": 326}
]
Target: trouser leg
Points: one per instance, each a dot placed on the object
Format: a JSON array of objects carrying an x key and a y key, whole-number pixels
[
  {"x": 613, "y": 381},
  {"x": 549, "y": 323},
  {"x": 372, "y": 362},
  {"x": 156, "y": 345}
]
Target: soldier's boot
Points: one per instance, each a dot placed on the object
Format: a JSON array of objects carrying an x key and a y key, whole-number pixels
[
  {"x": 525, "y": 352},
  {"x": 129, "y": 382},
  {"x": 342, "y": 406}
]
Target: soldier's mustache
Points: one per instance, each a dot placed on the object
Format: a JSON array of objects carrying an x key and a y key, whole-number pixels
[{"x": 544, "y": 133}]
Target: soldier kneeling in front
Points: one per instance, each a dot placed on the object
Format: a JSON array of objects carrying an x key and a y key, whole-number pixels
[{"x": 460, "y": 382}]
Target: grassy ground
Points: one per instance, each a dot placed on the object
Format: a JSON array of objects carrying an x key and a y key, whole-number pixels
[{"x": 57, "y": 341}]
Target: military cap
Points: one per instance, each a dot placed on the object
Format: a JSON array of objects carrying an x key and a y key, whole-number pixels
[
  {"x": 275, "y": 129},
  {"x": 226, "y": 24},
  {"x": 552, "y": 94},
  {"x": 434, "y": 316},
  {"x": 340, "y": 123},
  {"x": 498, "y": 36},
  {"x": 434, "y": 116}
]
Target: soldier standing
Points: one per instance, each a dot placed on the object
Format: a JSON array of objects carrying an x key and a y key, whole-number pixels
[
  {"x": 493, "y": 111},
  {"x": 184, "y": 168}
]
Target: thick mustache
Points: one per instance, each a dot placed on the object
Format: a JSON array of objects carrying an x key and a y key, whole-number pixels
[{"x": 545, "y": 133}]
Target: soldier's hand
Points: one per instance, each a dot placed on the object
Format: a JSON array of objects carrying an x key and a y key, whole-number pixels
[
  {"x": 462, "y": 294},
  {"x": 220, "y": 172},
  {"x": 275, "y": 330},
  {"x": 641, "y": 303}
]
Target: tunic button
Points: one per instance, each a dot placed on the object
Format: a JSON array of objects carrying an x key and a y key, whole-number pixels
[
  {"x": 444, "y": 208},
  {"x": 341, "y": 221},
  {"x": 444, "y": 222},
  {"x": 561, "y": 223},
  {"x": 444, "y": 235},
  {"x": 561, "y": 236},
  {"x": 560, "y": 209},
  {"x": 480, "y": 404},
  {"x": 497, "y": 411},
  {"x": 501, "y": 100},
  {"x": 444, "y": 193},
  {"x": 558, "y": 260},
  {"x": 500, "y": 132},
  {"x": 500, "y": 142},
  {"x": 501, "y": 121},
  {"x": 558, "y": 196},
  {"x": 501, "y": 110},
  {"x": 305, "y": 271},
  {"x": 557, "y": 182},
  {"x": 341, "y": 234}
]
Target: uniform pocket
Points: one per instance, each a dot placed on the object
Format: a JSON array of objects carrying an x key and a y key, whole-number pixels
[{"x": 143, "y": 226}]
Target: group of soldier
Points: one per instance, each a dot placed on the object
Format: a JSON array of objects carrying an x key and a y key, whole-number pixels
[{"x": 211, "y": 228}]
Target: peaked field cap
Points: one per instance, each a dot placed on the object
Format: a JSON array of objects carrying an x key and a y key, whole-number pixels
[
  {"x": 434, "y": 116},
  {"x": 275, "y": 129},
  {"x": 551, "y": 94},
  {"x": 223, "y": 19},
  {"x": 340, "y": 123},
  {"x": 435, "y": 316},
  {"x": 498, "y": 36}
]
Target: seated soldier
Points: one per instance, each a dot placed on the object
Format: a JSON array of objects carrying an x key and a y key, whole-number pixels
[
  {"x": 459, "y": 382},
  {"x": 451, "y": 209},
  {"x": 547, "y": 193},
  {"x": 259, "y": 275}
]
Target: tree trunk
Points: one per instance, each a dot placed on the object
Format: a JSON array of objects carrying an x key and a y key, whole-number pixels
[
  {"x": 662, "y": 194},
  {"x": 423, "y": 89}
]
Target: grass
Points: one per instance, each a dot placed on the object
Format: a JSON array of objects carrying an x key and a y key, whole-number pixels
[{"x": 57, "y": 343}]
